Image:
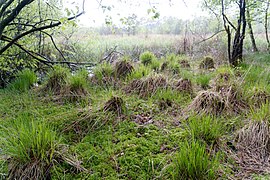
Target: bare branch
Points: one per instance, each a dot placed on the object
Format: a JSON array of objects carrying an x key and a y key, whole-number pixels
[
  {"x": 41, "y": 58},
  {"x": 54, "y": 44},
  {"x": 8, "y": 3},
  {"x": 13, "y": 14},
  {"x": 35, "y": 30},
  {"x": 210, "y": 37}
]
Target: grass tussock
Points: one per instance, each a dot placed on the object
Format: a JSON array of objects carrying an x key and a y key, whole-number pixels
[
  {"x": 259, "y": 97},
  {"x": 139, "y": 72},
  {"x": 194, "y": 162},
  {"x": 233, "y": 99},
  {"x": 261, "y": 114},
  {"x": 24, "y": 80},
  {"x": 206, "y": 128},
  {"x": 203, "y": 81},
  {"x": 147, "y": 57},
  {"x": 87, "y": 121},
  {"x": 57, "y": 80},
  {"x": 207, "y": 102},
  {"x": 104, "y": 75},
  {"x": 148, "y": 86},
  {"x": 76, "y": 90},
  {"x": 164, "y": 66},
  {"x": 33, "y": 149}
]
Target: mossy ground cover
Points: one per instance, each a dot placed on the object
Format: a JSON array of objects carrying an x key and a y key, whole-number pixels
[{"x": 120, "y": 135}]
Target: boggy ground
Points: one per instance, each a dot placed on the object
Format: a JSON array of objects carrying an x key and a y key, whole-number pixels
[{"x": 169, "y": 118}]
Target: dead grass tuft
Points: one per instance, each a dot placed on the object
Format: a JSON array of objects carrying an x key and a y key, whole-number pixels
[
  {"x": 164, "y": 66},
  {"x": 39, "y": 169},
  {"x": 72, "y": 94},
  {"x": 184, "y": 85},
  {"x": 106, "y": 81},
  {"x": 233, "y": 99},
  {"x": 184, "y": 64},
  {"x": 164, "y": 104},
  {"x": 220, "y": 100},
  {"x": 148, "y": 86},
  {"x": 33, "y": 170},
  {"x": 208, "y": 102},
  {"x": 123, "y": 68},
  {"x": 115, "y": 104},
  {"x": 259, "y": 98},
  {"x": 253, "y": 148},
  {"x": 207, "y": 63}
]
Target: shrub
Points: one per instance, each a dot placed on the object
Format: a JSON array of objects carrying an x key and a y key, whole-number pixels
[
  {"x": 193, "y": 162},
  {"x": 147, "y": 57},
  {"x": 24, "y": 80}
]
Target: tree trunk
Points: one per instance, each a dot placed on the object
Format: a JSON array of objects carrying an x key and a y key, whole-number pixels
[
  {"x": 253, "y": 41},
  {"x": 237, "y": 52}
]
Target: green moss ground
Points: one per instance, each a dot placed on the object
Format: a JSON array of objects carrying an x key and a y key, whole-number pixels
[{"x": 122, "y": 148}]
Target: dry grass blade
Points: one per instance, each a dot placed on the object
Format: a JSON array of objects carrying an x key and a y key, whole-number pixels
[{"x": 65, "y": 156}]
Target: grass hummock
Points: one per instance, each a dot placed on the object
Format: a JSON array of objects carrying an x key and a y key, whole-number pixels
[{"x": 24, "y": 80}]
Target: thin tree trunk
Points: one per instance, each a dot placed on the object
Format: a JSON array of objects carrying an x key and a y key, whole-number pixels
[
  {"x": 266, "y": 25},
  {"x": 253, "y": 41},
  {"x": 228, "y": 31}
]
